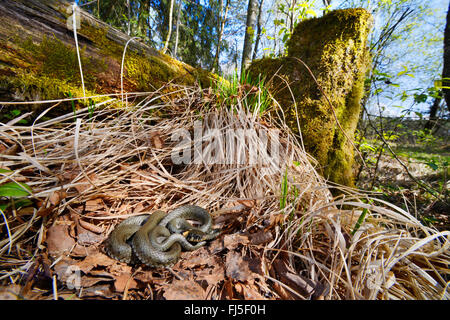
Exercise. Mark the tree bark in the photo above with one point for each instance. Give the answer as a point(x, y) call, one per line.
point(175, 50)
point(249, 33)
point(219, 40)
point(432, 120)
point(169, 32)
point(446, 70)
point(258, 29)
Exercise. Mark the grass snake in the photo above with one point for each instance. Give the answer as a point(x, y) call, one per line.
point(156, 240)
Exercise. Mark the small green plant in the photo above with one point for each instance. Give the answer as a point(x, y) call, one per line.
point(14, 193)
point(91, 108)
point(12, 114)
point(424, 137)
point(73, 106)
point(245, 90)
point(284, 191)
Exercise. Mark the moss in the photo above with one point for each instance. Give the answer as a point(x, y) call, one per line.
point(98, 35)
point(334, 48)
point(56, 60)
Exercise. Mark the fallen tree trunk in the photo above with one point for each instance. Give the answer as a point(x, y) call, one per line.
point(38, 59)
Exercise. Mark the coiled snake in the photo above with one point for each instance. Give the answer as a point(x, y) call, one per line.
point(156, 239)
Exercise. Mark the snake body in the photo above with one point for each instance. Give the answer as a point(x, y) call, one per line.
point(176, 222)
point(156, 239)
point(117, 245)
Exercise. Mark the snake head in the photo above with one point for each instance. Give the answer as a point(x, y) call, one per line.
point(194, 235)
point(198, 236)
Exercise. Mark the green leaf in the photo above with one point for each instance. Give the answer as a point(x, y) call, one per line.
point(405, 70)
point(360, 221)
point(311, 12)
point(12, 189)
point(432, 165)
point(284, 190)
point(420, 98)
point(15, 112)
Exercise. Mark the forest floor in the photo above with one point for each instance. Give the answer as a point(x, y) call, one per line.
point(428, 164)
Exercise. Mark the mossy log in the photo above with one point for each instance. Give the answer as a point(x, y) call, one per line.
point(38, 60)
point(334, 47)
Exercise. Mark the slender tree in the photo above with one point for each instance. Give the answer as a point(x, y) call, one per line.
point(175, 50)
point(222, 21)
point(249, 34)
point(169, 32)
point(434, 108)
point(446, 69)
point(258, 29)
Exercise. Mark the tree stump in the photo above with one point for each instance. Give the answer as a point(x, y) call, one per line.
point(334, 49)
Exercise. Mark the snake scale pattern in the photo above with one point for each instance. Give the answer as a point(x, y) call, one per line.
point(156, 240)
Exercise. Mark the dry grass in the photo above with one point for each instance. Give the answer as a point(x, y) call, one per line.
point(124, 158)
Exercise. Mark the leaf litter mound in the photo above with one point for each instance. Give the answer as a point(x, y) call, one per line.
point(284, 236)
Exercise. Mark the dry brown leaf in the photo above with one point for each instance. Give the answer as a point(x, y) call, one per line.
point(248, 203)
point(199, 257)
point(11, 292)
point(58, 240)
point(155, 140)
point(231, 241)
point(184, 290)
point(83, 251)
point(94, 205)
point(216, 246)
point(276, 219)
point(248, 291)
point(139, 207)
point(102, 290)
point(118, 268)
point(144, 276)
point(88, 281)
point(211, 275)
point(123, 281)
point(236, 267)
point(85, 184)
point(261, 237)
point(91, 227)
point(228, 292)
point(98, 259)
point(27, 211)
point(43, 212)
point(56, 197)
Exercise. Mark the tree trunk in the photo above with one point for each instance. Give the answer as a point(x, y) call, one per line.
point(219, 40)
point(129, 18)
point(432, 120)
point(249, 33)
point(169, 32)
point(446, 70)
point(291, 16)
point(175, 50)
point(258, 30)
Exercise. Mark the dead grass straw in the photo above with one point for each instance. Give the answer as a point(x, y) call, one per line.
point(125, 158)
